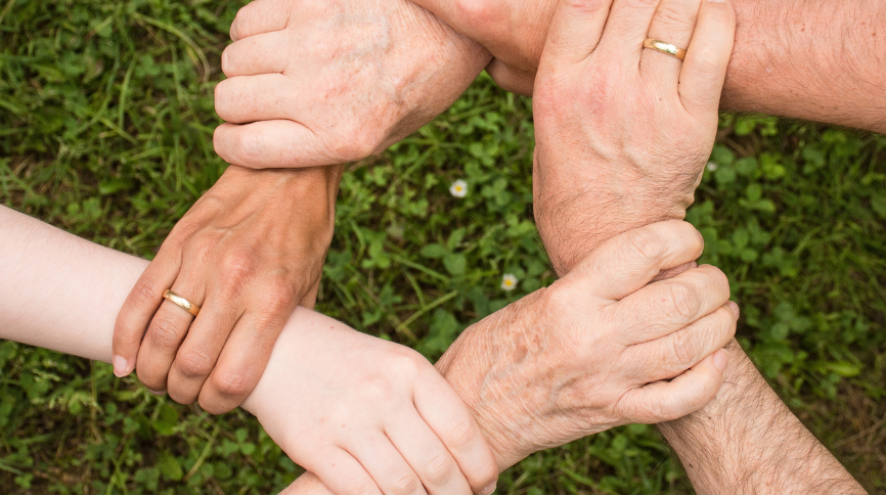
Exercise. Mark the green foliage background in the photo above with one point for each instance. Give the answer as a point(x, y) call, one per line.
point(106, 120)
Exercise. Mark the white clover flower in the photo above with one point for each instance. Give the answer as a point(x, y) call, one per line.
point(509, 282)
point(459, 189)
point(712, 166)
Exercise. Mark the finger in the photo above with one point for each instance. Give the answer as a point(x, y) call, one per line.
point(704, 70)
point(272, 144)
point(671, 304)
point(255, 98)
point(140, 306)
point(420, 446)
point(667, 401)
point(260, 54)
point(166, 333)
point(627, 262)
point(671, 355)
point(261, 16)
point(242, 361)
point(626, 29)
point(575, 30)
point(448, 417)
point(341, 473)
point(201, 348)
point(386, 464)
point(674, 23)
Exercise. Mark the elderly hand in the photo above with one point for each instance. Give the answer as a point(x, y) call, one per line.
point(599, 348)
point(248, 252)
point(319, 82)
point(623, 133)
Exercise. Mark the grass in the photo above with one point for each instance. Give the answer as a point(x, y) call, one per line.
point(106, 118)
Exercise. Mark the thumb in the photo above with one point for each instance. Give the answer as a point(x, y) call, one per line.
point(575, 30)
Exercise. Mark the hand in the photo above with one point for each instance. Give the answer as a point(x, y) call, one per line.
point(319, 82)
point(248, 252)
point(596, 349)
point(368, 416)
point(514, 31)
point(623, 133)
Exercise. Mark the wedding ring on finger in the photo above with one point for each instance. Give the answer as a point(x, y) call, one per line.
point(665, 47)
point(181, 302)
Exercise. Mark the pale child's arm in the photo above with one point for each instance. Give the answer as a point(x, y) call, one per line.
point(331, 397)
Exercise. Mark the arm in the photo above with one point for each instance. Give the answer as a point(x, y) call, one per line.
point(248, 252)
point(345, 405)
point(815, 60)
point(572, 343)
point(745, 440)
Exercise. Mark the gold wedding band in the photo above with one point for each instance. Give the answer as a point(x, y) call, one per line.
point(181, 302)
point(664, 47)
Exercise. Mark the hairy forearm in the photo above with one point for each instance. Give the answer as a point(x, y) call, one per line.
point(746, 441)
point(815, 60)
point(818, 60)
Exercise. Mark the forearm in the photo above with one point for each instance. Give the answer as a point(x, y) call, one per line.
point(746, 441)
point(815, 60)
point(63, 293)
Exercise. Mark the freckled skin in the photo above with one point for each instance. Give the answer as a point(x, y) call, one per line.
point(355, 71)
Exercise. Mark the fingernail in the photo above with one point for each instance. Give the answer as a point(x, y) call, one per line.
point(488, 490)
point(158, 393)
point(720, 359)
point(121, 366)
point(734, 308)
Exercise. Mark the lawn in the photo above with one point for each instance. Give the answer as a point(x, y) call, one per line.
point(106, 120)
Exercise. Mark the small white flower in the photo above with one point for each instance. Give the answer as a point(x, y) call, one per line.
point(459, 189)
point(509, 282)
point(712, 166)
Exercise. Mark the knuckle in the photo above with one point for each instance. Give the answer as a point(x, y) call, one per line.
point(683, 352)
point(377, 388)
point(440, 468)
point(359, 486)
point(460, 434)
point(232, 382)
point(200, 247)
point(280, 297)
point(144, 294)
point(707, 60)
point(238, 265)
point(404, 483)
point(671, 13)
point(681, 302)
point(164, 332)
point(194, 364)
point(646, 245)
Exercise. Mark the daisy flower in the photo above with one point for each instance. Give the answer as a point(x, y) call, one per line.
point(509, 282)
point(459, 189)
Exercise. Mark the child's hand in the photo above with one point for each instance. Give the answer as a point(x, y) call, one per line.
point(368, 416)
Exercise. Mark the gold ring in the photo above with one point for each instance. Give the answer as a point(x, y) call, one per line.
point(664, 47)
point(181, 302)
